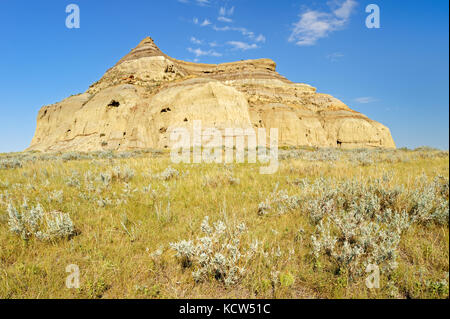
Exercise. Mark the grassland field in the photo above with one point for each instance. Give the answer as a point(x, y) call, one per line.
point(139, 226)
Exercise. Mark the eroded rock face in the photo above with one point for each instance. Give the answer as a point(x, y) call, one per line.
point(147, 93)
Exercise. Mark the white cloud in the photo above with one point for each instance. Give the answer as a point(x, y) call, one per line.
point(245, 32)
point(202, 2)
point(238, 45)
point(253, 39)
point(260, 38)
point(198, 2)
point(196, 41)
point(314, 25)
point(216, 28)
point(205, 23)
point(345, 10)
point(199, 52)
point(335, 56)
point(224, 19)
point(365, 100)
point(226, 12)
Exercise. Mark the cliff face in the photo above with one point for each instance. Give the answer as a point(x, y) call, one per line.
point(146, 93)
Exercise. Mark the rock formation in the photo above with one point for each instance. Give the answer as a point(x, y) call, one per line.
point(146, 93)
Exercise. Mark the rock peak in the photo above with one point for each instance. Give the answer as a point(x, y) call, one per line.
point(145, 48)
point(145, 40)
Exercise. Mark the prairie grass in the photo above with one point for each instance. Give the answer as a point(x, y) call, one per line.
point(144, 227)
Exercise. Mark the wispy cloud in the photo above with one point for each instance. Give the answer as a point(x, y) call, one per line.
point(252, 40)
point(345, 9)
point(224, 14)
point(205, 23)
point(224, 19)
point(238, 45)
point(197, 2)
point(196, 41)
point(244, 31)
point(314, 25)
point(260, 38)
point(333, 57)
point(202, 2)
point(365, 100)
point(199, 52)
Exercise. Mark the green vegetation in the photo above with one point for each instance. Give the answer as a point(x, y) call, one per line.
point(139, 226)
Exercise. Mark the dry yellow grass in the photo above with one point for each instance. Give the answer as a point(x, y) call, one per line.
point(114, 244)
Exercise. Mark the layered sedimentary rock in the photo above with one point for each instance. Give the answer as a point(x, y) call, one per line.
point(147, 93)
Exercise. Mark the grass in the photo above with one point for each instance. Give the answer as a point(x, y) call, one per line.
point(126, 223)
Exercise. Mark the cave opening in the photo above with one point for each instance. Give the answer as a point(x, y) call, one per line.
point(114, 103)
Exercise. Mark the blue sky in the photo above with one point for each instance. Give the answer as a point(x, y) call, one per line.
point(397, 75)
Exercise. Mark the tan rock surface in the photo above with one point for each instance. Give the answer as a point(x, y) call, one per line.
point(136, 103)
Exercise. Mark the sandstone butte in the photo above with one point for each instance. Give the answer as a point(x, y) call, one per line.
point(137, 102)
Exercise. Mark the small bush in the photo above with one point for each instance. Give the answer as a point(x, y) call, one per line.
point(218, 254)
point(124, 174)
point(168, 174)
point(280, 202)
point(35, 222)
point(10, 163)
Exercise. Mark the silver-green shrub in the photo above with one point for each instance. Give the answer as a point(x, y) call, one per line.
point(279, 202)
point(33, 221)
point(167, 174)
point(217, 254)
point(358, 223)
